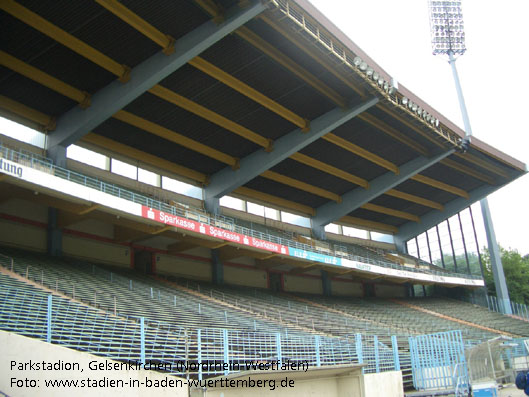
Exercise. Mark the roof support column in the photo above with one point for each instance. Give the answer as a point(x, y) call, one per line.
point(495, 260)
point(228, 179)
point(354, 199)
point(77, 122)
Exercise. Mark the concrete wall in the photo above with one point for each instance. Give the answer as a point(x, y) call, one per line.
point(346, 288)
point(25, 209)
point(95, 227)
point(315, 386)
point(21, 235)
point(183, 267)
point(23, 350)
point(245, 276)
point(383, 384)
point(302, 284)
point(390, 291)
point(118, 255)
point(316, 382)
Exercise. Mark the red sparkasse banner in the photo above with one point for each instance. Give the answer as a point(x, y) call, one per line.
point(208, 230)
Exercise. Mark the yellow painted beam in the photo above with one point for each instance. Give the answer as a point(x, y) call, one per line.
point(37, 22)
point(351, 147)
point(175, 137)
point(211, 116)
point(180, 246)
point(290, 65)
point(483, 164)
point(89, 209)
point(440, 185)
point(161, 230)
point(273, 200)
point(45, 79)
point(225, 78)
point(467, 170)
point(213, 9)
point(311, 162)
point(138, 23)
point(146, 158)
point(390, 211)
point(410, 125)
point(415, 199)
point(364, 223)
point(274, 176)
point(123, 234)
point(311, 53)
point(44, 120)
point(392, 132)
point(307, 268)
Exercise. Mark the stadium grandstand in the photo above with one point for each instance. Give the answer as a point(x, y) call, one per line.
point(236, 181)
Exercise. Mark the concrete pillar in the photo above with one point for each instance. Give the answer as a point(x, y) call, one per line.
point(212, 206)
point(217, 268)
point(326, 283)
point(318, 232)
point(58, 155)
point(54, 236)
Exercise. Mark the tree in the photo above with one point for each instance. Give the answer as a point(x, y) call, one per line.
point(516, 269)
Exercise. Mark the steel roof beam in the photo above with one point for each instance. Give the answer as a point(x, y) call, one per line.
point(227, 180)
point(77, 122)
point(356, 198)
point(432, 218)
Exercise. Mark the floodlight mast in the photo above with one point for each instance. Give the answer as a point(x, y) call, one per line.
point(448, 38)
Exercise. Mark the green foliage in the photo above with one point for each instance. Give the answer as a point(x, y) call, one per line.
point(473, 261)
point(516, 269)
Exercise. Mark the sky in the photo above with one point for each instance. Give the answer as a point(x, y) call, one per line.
point(396, 35)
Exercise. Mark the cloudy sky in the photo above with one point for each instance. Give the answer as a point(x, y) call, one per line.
point(396, 34)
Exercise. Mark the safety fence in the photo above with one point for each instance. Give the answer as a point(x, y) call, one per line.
point(492, 303)
point(438, 362)
point(187, 352)
point(351, 252)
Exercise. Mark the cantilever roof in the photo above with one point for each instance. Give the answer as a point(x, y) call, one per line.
point(241, 95)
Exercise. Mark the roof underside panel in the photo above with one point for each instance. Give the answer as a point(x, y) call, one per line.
point(49, 56)
point(342, 159)
point(141, 140)
point(400, 205)
point(285, 46)
point(443, 173)
point(375, 141)
point(405, 129)
point(34, 95)
point(286, 192)
point(266, 76)
point(313, 176)
point(98, 28)
point(378, 217)
point(161, 112)
point(208, 92)
point(425, 191)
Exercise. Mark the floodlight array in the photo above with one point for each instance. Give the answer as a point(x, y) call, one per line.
point(374, 75)
point(446, 27)
point(420, 112)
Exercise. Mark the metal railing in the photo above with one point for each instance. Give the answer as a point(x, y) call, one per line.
point(73, 325)
point(492, 303)
point(186, 211)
